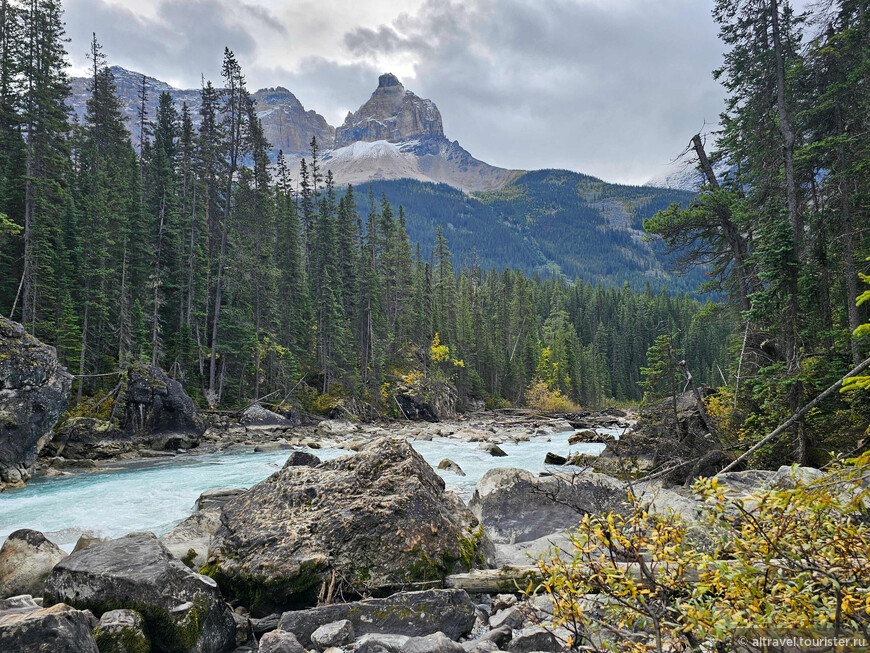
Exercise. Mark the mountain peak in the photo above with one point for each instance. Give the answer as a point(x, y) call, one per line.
point(391, 114)
point(388, 79)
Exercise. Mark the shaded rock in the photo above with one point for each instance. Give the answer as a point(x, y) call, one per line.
point(589, 436)
point(265, 624)
point(434, 643)
point(89, 439)
point(57, 629)
point(121, 631)
point(268, 447)
point(378, 643)
point(23, 604)
point(492, 449)
point(510, 617)
point(34, 392)
point(337, 633)
point(529, 640)
point(788, 478)
point(379, 519)
point(514, 506)
point(498, 637)
point(85, 541)
point(258, 417)
point(524, 553)
point(336, 426)
point(450, 466)
point(554, 459)
point(216, 499)
point(157, 410)
point(182, 609)
point(280, 641)
point(302, 459)
point(662, 438)
point(414, 614)
point(26, 560)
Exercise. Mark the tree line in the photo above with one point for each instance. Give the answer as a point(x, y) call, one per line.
point(247, 280)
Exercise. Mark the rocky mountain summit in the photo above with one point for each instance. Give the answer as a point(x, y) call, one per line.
point(394, 135)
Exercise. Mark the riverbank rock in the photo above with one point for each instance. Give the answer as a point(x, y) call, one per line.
point(448, 465)
point(182, 610)
point(26, 560)
point(157, 410)
point(279, 641)
point(34, 392)
point(378, 519)
point(57, 629)
point(257, 417)
point(664, 438)
point(86, 438)
point(514, 506)
point(427, 399)
point(412, 614)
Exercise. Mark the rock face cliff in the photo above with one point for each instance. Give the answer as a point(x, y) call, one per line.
point(34, 392)
point(391, 114)
point(286, 123)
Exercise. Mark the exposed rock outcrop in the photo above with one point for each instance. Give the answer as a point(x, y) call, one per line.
point(286, 123)
point(183, 610)
point(26, 560)
point(378, 519)
point(391, 114)
point(34, 392)
point(157, 409)
point(88, 438)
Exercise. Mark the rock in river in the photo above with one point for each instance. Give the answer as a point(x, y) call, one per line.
point(182, 610)
point(58, 629)
point(34, 392)
point(379, 519)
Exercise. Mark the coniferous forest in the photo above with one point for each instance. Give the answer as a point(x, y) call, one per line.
point(246, 279)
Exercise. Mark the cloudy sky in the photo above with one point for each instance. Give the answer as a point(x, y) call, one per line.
point(613, 88)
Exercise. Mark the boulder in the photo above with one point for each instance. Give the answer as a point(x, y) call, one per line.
point(280, 641)
point(533, 639)
point(514, 506)
point(664, 438)
point(86, 438)
point(26, 560)
point(492, 449)
point(216, 498)
point(189, 540)
point(377, 643)
point(86, 540)
point(554, 459)
point(34, 392)
point(413, 614)
point(302, 459)
point(336, 426)
point(589, 436)
point(511, 617)
point(378, 520)
point(157, 410)
point(121, 631)
point(57, 629)
point(435, 643)
point(258, 417)
point(449, 466)
point(337, 633)
point(427, 400)
point(182, 610)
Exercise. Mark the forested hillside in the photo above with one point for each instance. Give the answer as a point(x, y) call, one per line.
point(246, 282)
point(548, 221)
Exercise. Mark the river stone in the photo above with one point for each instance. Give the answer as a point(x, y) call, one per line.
point(514, 506)
point(216, 498)
point(554, 459)
point(508, 617)
point(450, 466)
point(337, 633)
point(182, 609)
point(414, 614)
point(34, 392)
point(280, 641)
point(377, 643)
point(302, 459)
point(492, 449)
point(533, 639)
point(121, 631)
point(57, 629)
point(157, 410)
point(26, 560)
point(378, 519)
point(435, 643)
point(189, 540)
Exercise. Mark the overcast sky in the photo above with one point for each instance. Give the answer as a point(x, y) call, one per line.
point(612, 88)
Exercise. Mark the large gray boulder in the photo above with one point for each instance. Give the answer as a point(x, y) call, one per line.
point(515, 506)
point(88, 438)
point(414, 614)
point(34, 392)
point(157, 410)
point(183, 610)
point(121, 631)
point(377, 520)
point(26, 560)
point(57, 629)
